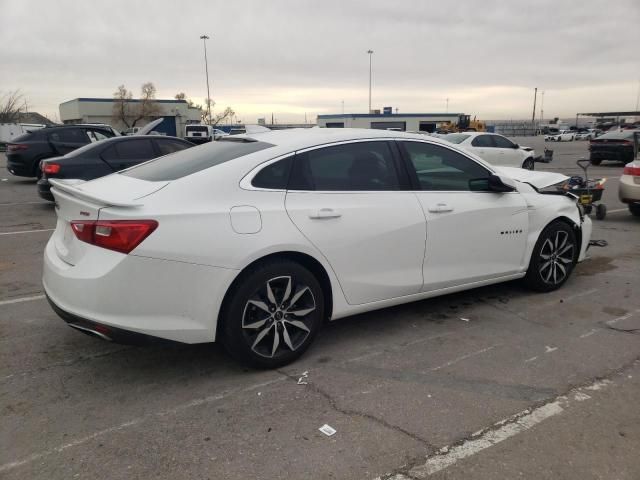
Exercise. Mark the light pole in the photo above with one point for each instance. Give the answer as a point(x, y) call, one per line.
point(204, 39)
point(370, 52)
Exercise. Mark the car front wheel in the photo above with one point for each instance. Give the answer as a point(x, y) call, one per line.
point(528, 164)
point(273, 314)
point(553, 258)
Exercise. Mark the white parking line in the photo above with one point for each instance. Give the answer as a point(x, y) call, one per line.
point(463, 357)
point(507, 428)
point(23, 203)
point(618, 210)
point(28, 231)
point(22, 299)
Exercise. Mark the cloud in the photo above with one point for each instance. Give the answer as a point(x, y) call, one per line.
point(300, 56)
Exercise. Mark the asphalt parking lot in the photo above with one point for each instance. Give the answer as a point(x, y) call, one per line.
point(496, 382)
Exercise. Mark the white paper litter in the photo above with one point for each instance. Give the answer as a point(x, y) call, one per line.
point(464, 319)
point(328, 430)
point(302, 379)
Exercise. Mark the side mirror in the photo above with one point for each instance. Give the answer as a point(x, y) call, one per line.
point(498, 183)
point(515, 145)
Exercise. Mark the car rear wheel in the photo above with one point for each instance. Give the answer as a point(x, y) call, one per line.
point(634, 208)
point(528, 164)
point(273, 314)
point(553, 258)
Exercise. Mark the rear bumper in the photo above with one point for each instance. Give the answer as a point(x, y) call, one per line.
point(19, 168)
point(621, 155)
point(171, 300)
point(44, 189)
point(629, 190)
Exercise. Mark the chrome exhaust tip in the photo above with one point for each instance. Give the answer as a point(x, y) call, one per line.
point(90, 331)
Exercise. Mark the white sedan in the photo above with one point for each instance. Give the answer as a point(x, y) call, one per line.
point(560, 137)
point(494, 148)
point(255, 240)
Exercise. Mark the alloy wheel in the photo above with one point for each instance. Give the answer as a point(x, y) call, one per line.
point(277, 318)
point(556, 256)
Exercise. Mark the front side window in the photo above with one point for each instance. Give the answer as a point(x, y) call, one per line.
point(502, 142)
point(482, 141)
point(97, 135)
point(442, 169)
point(354, 166)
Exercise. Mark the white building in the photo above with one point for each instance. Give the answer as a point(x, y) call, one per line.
point(176, 113)
point(412, 122)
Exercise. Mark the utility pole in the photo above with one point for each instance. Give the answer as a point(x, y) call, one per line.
point(342, 107)
point(533, 116)
point(447, 108)
point(204, 39)
point(370, 52)
point(542, 108)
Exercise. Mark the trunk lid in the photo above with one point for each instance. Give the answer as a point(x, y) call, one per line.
point(83, 202)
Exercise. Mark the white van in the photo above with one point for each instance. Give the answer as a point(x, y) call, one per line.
point(202, 133)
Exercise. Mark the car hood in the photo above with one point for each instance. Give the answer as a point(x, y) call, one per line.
point(536, 179)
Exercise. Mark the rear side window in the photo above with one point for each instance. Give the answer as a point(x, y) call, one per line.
point(135, 149)
point(354, 166)
point(169, 146)
point(69, 135)
point(274, 176)
point(194, 160)
point(481, 141)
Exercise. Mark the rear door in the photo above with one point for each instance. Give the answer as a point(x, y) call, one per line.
point(128, 152)
point(483, 146)
point(67, 140)
point(351, 201)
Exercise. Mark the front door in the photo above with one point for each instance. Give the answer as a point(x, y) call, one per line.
point(472, 234)
point(351, 201)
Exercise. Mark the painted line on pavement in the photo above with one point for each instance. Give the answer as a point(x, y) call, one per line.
point(28, 231)
point(24, 203)
point(463, 357)
point(22, 299)
point(503, 430)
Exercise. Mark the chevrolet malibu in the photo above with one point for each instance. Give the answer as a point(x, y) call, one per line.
point(255, 240)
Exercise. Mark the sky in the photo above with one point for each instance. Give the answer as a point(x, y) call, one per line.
point(297, 58)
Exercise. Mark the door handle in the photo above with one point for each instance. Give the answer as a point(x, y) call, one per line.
point(325, 213)
point(441, 207)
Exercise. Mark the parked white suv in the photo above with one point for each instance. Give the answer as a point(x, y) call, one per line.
point(203, 133)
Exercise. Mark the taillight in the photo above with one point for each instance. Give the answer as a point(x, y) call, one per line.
point(634, 171)
point(119, 235)
point(14, 147)
point(50, 168)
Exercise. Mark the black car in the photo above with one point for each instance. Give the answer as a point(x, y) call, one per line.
point(616, 146)
point(25, 152)
point(105, 157)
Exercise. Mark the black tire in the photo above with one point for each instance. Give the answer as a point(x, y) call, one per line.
point(595, 161)
point(252, 311)
point(529, 164)
point(634, 208)
point(553, 257)
point(601, 211)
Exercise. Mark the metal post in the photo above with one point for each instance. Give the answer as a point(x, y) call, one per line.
point(533, 116)
point(542, 108)
point(447, 108)
point(204, 39)
point(370, 52)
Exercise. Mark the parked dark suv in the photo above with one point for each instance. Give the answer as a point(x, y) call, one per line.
point(106, 157)
point(616, 146)
point(25, 152)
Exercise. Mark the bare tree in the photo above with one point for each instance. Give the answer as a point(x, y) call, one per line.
point(220, 117)
point(10, 105)
point(181, 96)
point(129, 112)
point(122, 105)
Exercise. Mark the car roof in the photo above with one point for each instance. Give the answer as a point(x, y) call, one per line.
point(300, 138)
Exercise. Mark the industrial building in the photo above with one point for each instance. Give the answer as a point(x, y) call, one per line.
point(176, 114)
point(412, 122)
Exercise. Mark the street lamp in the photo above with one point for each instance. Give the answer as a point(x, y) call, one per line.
point(370, 52)
point(204, 39)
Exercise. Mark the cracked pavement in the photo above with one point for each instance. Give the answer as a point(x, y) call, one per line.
point(398, 384)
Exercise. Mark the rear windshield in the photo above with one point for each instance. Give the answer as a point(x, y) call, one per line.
point(24, 137)
point(192, 160)
point(196, 128)
point(627, 134)
point(456, 137)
